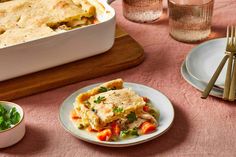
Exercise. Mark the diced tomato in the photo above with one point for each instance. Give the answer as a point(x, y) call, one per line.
point(74, 115)
point(104, 135)
point(146, 108)
point(95, 21)
point(145, 99)
point(148, 127)
point(115, 129)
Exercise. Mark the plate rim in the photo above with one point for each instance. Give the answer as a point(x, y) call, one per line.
point(192, 84)
point(187, 60)
point(104, 143)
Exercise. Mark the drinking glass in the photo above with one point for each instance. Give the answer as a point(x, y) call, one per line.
point(142, 10)
point(190, 20)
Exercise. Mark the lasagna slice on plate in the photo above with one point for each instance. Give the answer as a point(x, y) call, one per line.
point(114, 112)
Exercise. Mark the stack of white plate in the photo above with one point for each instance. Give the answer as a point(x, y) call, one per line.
point(201, 63)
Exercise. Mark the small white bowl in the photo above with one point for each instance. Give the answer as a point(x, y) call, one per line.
point(14, 134)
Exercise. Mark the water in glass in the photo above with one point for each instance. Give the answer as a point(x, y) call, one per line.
point(190, 20)
point(142, 10)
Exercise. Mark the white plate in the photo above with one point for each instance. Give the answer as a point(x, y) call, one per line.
point(198, 84)
point(159, 101)
point(203, 60)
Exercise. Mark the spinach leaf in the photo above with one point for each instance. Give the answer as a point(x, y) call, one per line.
point(14, 116)
point(131, 117)
point(1, 120)
point(7, 119)
point(3, 111)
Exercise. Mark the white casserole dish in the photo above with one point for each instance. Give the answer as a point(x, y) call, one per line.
point(40, 54)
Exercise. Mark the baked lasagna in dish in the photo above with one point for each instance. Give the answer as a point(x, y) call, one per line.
point(114, 112)
point(25, 20)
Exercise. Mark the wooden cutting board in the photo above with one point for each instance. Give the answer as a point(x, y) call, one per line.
point(125, 53)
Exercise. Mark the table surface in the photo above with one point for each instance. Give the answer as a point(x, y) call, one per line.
point(201, 127)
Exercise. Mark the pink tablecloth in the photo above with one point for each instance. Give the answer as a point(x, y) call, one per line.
point(201, 127)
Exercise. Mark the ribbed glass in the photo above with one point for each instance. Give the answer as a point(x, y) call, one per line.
point(190, 20)
point(142, 10)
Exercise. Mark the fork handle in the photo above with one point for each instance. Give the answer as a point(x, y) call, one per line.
point(214, 78)
point(228, 78)
point(233, 83)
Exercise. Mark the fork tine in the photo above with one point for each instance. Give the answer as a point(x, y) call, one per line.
point(232, 36)
point(234, 41)
point(227, 34)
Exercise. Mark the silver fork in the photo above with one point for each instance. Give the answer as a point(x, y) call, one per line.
point(229, 54)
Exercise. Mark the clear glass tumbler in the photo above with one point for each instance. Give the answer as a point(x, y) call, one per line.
point(142, 10)
point(190, 20)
